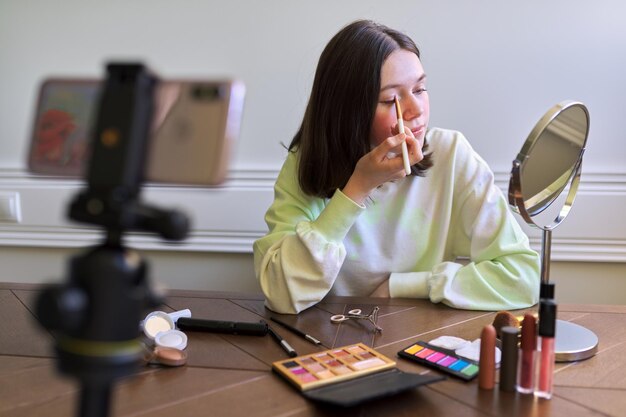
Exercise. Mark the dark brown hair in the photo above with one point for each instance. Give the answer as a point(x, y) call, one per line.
point(335, 130)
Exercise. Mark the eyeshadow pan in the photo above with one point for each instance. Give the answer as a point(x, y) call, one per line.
point(470, 370)
point(447, 361)
point(341, 370)
point(325, 374)
point(424, 352)
point(315, 367)
point(324, 357)
point(368, 363)
point(290, 364)
point(356, 349)
point(307, 377)
point(306, 361)
point(458, 365)
point(339, 353)
point(299, 370)
point(413, 349)
point(435, 357)
point(349, 359)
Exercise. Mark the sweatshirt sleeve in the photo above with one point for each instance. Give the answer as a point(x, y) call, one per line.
point(299, 259)
point(503, 271)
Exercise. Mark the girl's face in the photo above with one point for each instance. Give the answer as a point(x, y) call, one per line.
point(402, 76)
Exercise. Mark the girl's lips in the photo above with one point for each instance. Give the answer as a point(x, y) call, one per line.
point(417, 130)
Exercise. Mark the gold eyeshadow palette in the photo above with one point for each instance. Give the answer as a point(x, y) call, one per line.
point(348, 375)
point(441, 359)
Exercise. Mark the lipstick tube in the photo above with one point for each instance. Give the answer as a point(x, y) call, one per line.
point(528, 355)
point(487, 365)
point(547, 330)
point(508, 367)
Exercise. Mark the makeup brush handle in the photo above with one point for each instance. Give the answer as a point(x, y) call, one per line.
point(405, 158)
point(215, 326)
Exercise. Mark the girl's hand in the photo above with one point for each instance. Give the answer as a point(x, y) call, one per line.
point(380, 166)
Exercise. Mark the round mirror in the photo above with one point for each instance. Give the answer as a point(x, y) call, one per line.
point(550, 161)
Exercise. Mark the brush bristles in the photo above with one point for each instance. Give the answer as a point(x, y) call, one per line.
point(398, 109)
point(502, 319)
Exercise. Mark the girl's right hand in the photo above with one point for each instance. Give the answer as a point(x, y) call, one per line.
point(377, 167)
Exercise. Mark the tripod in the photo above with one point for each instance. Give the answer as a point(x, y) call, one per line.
point(94, 316)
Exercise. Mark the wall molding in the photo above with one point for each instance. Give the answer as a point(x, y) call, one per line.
point(597, 235)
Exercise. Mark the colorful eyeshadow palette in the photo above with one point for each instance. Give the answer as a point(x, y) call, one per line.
point(348, 375)
point(441, 359)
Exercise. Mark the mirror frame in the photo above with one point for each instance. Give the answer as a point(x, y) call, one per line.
point(516, 198)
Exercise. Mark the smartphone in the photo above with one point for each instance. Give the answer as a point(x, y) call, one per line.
point(195, 125)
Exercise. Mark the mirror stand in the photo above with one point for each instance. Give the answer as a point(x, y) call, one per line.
point(549, 162)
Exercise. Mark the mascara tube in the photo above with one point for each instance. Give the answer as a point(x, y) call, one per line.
point(216, 326)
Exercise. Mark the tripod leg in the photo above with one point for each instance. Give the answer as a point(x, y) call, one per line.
point(94, 399)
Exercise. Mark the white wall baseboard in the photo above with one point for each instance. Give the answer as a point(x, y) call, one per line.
point(230, 217)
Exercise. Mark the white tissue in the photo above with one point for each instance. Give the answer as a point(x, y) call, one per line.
point(462, 347)
point(472, 351)
point(449, 342)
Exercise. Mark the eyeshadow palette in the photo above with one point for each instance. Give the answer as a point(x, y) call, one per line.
point(348, 375)
point(334, 365)
point(441, 359)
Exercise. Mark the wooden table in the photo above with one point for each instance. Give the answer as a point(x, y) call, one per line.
point(229, 375)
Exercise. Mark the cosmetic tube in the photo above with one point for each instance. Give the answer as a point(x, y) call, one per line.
point(508, 368)
point(547, 327)
point(487, 365)
point(528, 355)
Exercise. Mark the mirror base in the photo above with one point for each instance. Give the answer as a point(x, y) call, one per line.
point(574, 342)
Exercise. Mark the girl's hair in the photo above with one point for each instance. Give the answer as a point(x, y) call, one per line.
point(335, 130)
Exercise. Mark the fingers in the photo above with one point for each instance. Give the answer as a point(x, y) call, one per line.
point(392, 143)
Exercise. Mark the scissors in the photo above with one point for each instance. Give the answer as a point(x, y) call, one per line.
point(357, 314)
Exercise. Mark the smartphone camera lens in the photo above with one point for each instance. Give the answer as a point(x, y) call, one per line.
point(206, 92)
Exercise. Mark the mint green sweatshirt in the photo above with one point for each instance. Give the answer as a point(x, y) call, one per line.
point(410, 232)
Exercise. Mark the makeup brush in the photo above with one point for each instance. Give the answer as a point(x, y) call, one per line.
point(503, 319)
point(405, 151)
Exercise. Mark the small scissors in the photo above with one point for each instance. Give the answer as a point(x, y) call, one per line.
point(356, 314)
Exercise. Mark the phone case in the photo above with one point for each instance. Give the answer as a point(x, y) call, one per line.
point(195, 124)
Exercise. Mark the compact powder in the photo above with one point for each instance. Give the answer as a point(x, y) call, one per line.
point(171, 338)
point(170, 356)
point(156, 324)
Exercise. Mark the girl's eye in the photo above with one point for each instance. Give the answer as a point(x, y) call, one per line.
point(419, 91)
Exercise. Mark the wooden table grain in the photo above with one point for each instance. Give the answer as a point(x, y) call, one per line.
point(229, 375)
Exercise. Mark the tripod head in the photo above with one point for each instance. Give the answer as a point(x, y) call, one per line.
point(95, 315)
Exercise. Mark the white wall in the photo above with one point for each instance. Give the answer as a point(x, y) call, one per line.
point(494, 67)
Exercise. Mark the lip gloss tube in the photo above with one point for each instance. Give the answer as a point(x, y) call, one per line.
point(487, 364)
point(547, 327)
point(528, 355)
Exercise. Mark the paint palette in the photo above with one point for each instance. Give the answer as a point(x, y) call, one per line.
point(441, 359)
point(348, 375)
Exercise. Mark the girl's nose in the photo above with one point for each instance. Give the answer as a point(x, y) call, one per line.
point(412, 106)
